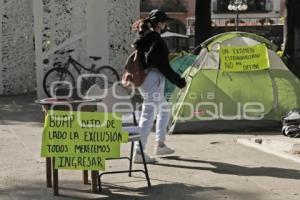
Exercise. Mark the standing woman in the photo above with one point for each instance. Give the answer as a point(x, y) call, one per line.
point(154, 57)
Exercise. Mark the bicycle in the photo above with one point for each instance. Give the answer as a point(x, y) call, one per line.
point(61, 74)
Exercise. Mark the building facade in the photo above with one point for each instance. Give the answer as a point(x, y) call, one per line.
point(90, 27)
point(264, 17)
point(17, 58)
point(180, 10)
point(34, 30)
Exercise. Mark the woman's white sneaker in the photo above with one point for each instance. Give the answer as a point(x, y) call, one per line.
point(138, 159)
point(163, 150)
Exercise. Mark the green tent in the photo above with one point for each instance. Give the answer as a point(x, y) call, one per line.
point(180, 62)
point(216, 99)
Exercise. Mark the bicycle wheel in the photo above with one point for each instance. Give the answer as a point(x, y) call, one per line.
point(57, 74)
point(110, 73)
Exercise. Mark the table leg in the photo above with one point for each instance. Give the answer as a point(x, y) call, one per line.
point(55, 178)
point(48, 173)
point(95, 175)
point(85, 177)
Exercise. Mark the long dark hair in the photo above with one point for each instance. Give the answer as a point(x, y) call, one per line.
point(142, 26)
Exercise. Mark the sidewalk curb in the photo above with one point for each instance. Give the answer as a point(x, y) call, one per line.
point(248, 143)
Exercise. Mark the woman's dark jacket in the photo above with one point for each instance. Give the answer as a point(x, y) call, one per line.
point(155, 54)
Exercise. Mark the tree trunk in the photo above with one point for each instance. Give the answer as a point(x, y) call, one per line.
point(202, 22)
point(292, 44)
point(297, 37)
point(290, 32)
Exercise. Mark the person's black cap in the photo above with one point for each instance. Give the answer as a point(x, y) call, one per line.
point(158, 16)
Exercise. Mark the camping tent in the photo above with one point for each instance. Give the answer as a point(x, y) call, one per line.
point(179, 62)
point(172, 34)
point(175, 41)
point(216, 99)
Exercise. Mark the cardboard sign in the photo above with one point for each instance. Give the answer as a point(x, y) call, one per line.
point(244, 58)
point(82, 140)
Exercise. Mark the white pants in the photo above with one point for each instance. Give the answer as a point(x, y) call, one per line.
point(154, 107)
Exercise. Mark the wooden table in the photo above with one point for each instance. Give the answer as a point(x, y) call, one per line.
point(66, 104)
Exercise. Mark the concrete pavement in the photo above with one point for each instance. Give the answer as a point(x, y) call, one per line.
point(206, 166)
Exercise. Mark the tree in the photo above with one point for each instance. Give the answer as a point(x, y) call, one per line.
point(292, 43)
point(202, 21)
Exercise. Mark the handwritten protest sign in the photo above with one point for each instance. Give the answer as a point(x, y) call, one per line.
point(82, 140)
point(244, 58)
